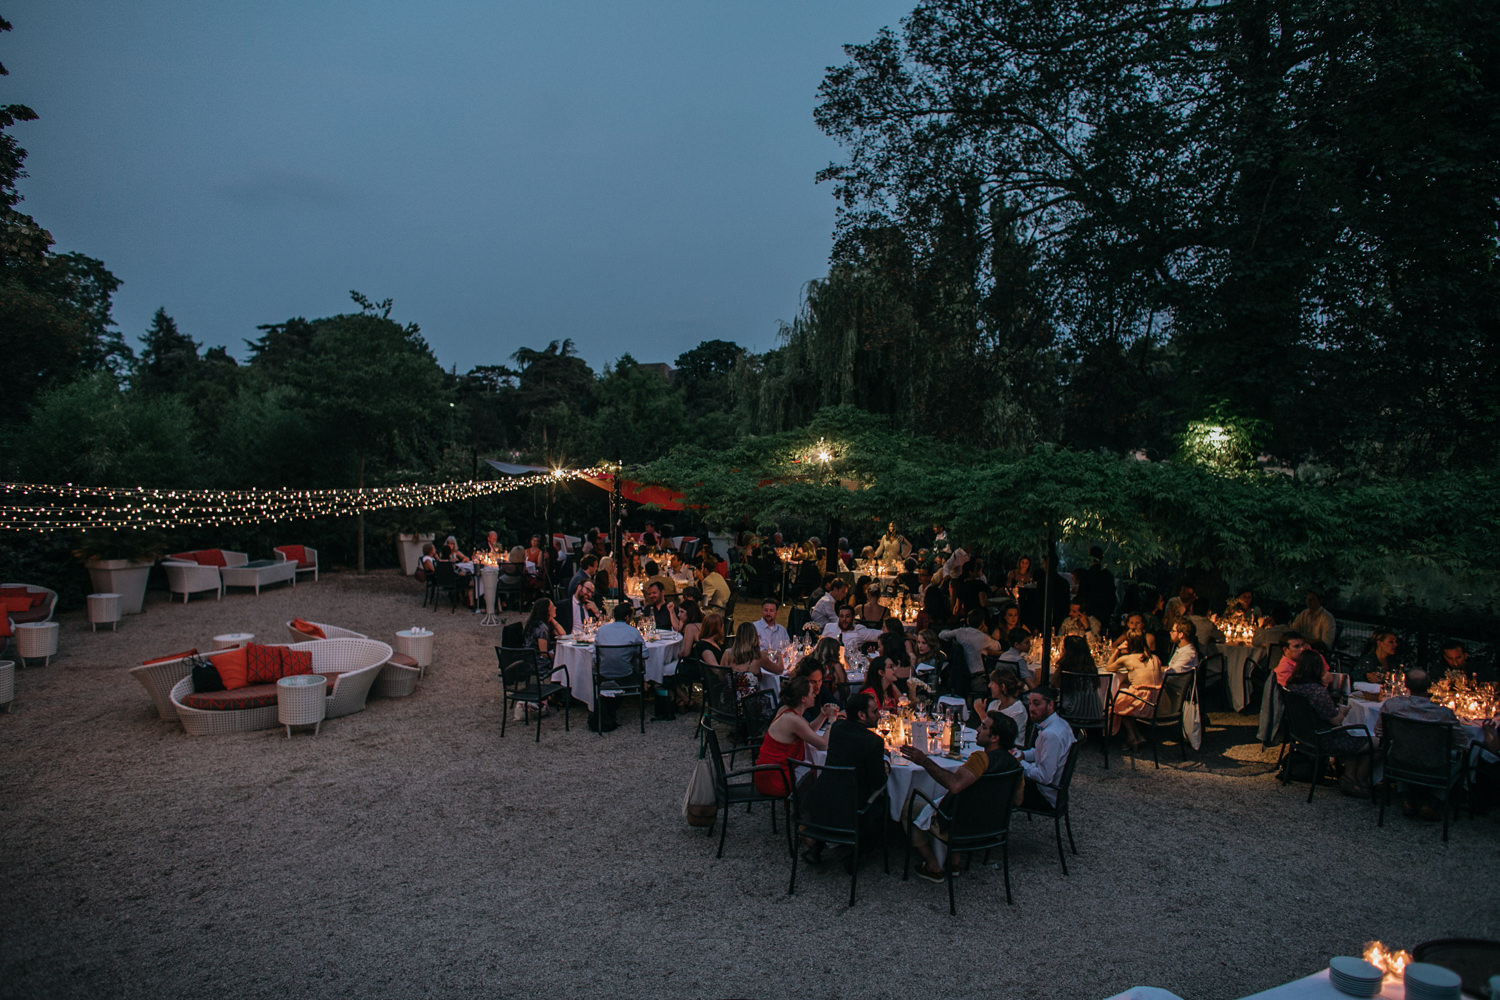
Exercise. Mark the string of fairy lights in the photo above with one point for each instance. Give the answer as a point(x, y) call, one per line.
point(44, 507)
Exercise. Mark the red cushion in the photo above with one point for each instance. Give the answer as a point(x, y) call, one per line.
point(16, 603)
point(5, 629)
point(14, 592)
point(296, 554)
point(191, 557)
point(307, 628)
point(259, 696)
point(262, 664)
point(331, 679)
point(167, 659)
point(295, 661)
point(233, 668)
point(39, 598)
point(402, 660)
point(211, 557)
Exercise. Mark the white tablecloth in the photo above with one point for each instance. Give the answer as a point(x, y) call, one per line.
point(903, 777)
point(1365, 713)
point(1318, 987)
point(1236, 663)
point(661, 661)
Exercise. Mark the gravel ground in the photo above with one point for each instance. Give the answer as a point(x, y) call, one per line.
point(409, 851)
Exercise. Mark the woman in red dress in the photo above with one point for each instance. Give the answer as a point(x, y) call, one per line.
point(789, 734)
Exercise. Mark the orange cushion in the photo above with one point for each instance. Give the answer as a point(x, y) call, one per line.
point(308, 628)
point(262, 664)
point(16, 603)
point(165, 659)
point(294, 553)
point(38, 599)
point(295, 661)
point(211, 557)
point(233, 668)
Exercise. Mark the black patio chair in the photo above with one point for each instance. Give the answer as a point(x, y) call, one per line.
point(977, 819)
point(1084, 703)
point(733, 786)
point(447, 580)
point(1167, 709)
point(720, 704)
point(527, 679)
point(1425, 754)
point(833, 811)
point(632, 683)
point(1308, 736)
point(1059, 812)
point(1213, 672)
point(756, 714)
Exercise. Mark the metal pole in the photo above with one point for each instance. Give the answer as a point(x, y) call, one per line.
point(1047, 601)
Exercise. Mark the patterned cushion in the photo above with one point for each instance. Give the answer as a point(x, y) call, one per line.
point(258, 696)
point(262, 664)
point(295, 661)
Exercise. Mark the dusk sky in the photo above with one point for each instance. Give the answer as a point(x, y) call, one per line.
point(636, 176)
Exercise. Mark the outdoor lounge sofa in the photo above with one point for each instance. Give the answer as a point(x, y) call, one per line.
point(195, 572)
point(351, 666)
point(397, 680)
point(39, 603)
point(304, 556)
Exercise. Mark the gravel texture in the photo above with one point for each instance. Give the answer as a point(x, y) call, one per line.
point(409, 851)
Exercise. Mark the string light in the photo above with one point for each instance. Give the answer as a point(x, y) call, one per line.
point(43, 507)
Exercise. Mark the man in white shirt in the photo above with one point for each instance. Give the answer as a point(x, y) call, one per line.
point(851, 635)
point(826, 611)
point(1079, 623)
point(1043, 763)
point(1315, 622)
point(976, 642)
point(1015, 654)
point(772, 635)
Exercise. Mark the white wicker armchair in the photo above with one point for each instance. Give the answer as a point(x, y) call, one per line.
point(189, 578)
point(352, 665)
point(305, 556)
point(159, 678)
point(329, 632)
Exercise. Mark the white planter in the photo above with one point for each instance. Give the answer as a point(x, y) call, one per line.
point(409, 548)
point(126, 577)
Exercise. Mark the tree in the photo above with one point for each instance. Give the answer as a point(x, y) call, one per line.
point(168, 361)
point(556, 385)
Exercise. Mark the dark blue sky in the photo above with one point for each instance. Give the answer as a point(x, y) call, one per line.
point(636, 176)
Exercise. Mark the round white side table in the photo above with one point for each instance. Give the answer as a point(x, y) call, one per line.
point(36, 640)
point(416, 643)
point(301, 701)
point(7, 683)
point(229, 640)
point(104, 609)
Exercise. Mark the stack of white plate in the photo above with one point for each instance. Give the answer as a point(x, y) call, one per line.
point(1425, 981)
point(1354, 976)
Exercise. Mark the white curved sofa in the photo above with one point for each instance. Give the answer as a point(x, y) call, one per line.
point(400, 675)
point(351, 665)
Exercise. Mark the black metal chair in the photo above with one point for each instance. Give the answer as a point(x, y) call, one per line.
point(1213, 672)
point(1059, 812)
point(1171, 698)
point(1307, 736)
point(720, 705)
point(510, 585)
point(1084, 703)
point(429, 587)
point(526, 678)
point(513, 635)
point(1425, 754)
point(757, 711)
point(833, 811)
point(796, 618)
point(446, 579)
point(733, 786)
point(976, 819)
point(632, 683)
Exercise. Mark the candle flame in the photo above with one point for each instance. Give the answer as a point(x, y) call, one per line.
point(1391, 961)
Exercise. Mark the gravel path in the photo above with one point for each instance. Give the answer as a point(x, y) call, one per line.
point(409, 851)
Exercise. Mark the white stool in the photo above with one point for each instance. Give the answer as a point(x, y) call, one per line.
point(416, 643)
point(36, 640)
point(104, 609)
point(301, 701)
point(229, 640)
point(7, 683)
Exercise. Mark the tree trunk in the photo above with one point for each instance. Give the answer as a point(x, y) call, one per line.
point(360, 542)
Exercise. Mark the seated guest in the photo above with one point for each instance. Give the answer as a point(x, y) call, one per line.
point(1043, 764)
point(937, 608)
point(668, 617)
point(1143, 680)
point(880, 681)
point(535, 557)
point(1310, 680)
point(583, 606)
point(748, 660)
point(1015, 654)
point(1241, 607)
point(679, 572)
point(492, 545)
point(1180, 606)
point(709, 646)
point(1185, 652)
point(585, 572)
point(1379, 659)
point(712, 583)
point(542, 628)
point(1135, 625)
point(829, 653)
point(1005, 698)
point(929, 655)
point(1455, 657)
point(614, 663)
point(692, 619)
point(908, 580)
point(789, 734)
point(773, 635)
point(996, 735)
point(977, 643)
point(822, 691)
point(655, 575)
point(1076, 657)
point(872, 612)
point(826, 611)
point(1316, 623)
point(428, 562)
point(1292, 646)
point(852, 636)
point(1271, 629)
point(1010, 620)
point(1078, 623)
point(851, 743)
point(1417, 704)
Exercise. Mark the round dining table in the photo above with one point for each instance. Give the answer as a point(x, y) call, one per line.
point(577, 654)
